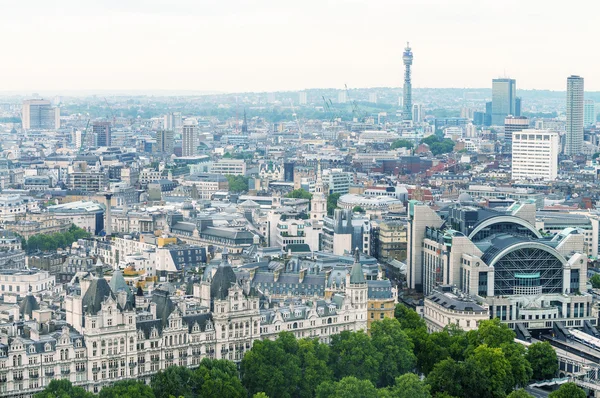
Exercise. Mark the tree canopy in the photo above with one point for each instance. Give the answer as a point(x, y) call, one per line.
point(402, 144)
point(237, 183)
point(52, 242)
point(332, 202)
point(595, 281)
point(299, 194)
point(543, 360)
point(568, 390)
point(63, 389)
point(437, 145)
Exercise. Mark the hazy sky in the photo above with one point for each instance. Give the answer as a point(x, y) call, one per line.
point(269, 45)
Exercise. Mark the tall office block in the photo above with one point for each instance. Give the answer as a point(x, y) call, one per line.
point(164, 142)
point(40, 114)
point(417, 113)
point(189, 144)
point(302, 98)
point(574, 135)
point(373, 98)
point(102, 132)
point(535, 155)
point(342, 97)
point(503, 100)
point(487, 121)
point(407, 58)
point(512, 124)
point(517, 106)
point(589, 113)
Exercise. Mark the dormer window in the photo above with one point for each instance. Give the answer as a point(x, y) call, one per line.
point(31, 349)
point(47, 347)
point(321, 310)
point(298, 313)
point(78, 343)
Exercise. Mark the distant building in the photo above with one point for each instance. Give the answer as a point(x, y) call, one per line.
point(373, 98)
point(342, 97)
point(189, 138)
point(417, 116)
point(513, 124)
point(535, 155)
point(574, 135)
point(503, 99)
point(517, 106)
point(164, 142)
point(40, 114)
point(102, 132)
point(589, 113)
point(302, 98)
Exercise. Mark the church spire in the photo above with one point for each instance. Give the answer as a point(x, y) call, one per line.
point(318, 204)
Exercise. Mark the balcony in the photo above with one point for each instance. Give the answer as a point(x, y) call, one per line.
point(82, 369)
point(34, 376)
point(65, 371)
point(95, 369)
point(113, 365)
point(132, 364)
point(18, 377)
point(49, 373)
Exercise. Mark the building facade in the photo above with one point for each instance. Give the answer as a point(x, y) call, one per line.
point(535, 155)
point(504, 94)
point(574, 135)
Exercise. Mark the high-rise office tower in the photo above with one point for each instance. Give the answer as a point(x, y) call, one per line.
point(535, 155)
point(589, 113)
point(102, 133)
point(517, 106)
point(189, 144)
point(487, 121)
point(245, 124)
point(169, 122)
point(373, 98)
point(40, 114)
point(503, 99)
point(417, 113)
point(342, 97)
point(407, 58)
point(164, 142)
point(574, 135)
point(302, 98)
point(512, 124)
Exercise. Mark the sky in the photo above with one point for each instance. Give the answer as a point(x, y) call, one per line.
point(278, 45)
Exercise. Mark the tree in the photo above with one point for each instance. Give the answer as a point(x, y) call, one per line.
point(313, 362)
point(446, 377)
point(358, 209)
point(568, 390)
point(127, 389)
point(299, 194)
point(218, 378)
point(353, 354)
point(438, 145)
point(595, 281)
point(519, 394)
point(402, 144)
point(260, 395)
point(495, 369)
point(543, 360)
point(493, 333)
point(396, 347)
point(347, 387)
point(272, 367)
point(521, 370)
point(237, 183)
point(332, 203)
point(63, 389)
point(407, 386)
point(174, 381)
point(408, 318)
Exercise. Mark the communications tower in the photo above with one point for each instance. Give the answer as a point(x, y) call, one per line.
point(407, 57)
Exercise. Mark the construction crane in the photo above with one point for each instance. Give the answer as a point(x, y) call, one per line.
point(295, 116)
point(114, 118)
point(329, 108)
point(357, 112)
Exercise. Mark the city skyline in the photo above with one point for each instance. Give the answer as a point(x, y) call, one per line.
point(310, 48)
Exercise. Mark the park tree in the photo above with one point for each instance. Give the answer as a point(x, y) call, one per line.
point(446, 377)
point(568, 390)
point(347, 387)
point(218, 378)
point(313, 357)
point(237, 183)
point(353, 354)
point(127, 389)
point(63, 389)
point(272, 367)
point(396, 348)
point(519, 394)
point(358, 209)
point(543, 360)
point(408, 385)
point(495, 369)
point(176, 381)
point(332, 202)
point(521, 370)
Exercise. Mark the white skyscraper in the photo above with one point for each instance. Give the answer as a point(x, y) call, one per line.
point(40, 114)
point(189, 143)
point(589, 113)
point(574, 135)
point(373, 98)
point(342, 97)
point(535, 155)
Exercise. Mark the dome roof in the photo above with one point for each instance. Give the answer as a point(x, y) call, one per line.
point(465, 198)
